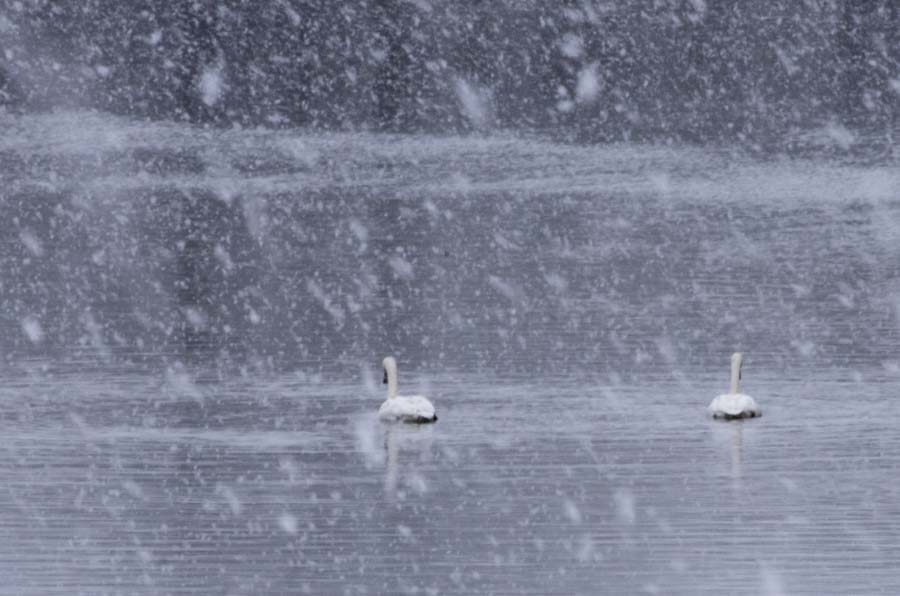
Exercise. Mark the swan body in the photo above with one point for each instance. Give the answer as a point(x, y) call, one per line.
point(408, 408)
point(414, 409)
point(734, 404)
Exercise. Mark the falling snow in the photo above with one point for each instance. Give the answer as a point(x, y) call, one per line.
point(561, 220)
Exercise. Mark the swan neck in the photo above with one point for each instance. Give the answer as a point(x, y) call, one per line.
point(735, 375)
point(392, 382)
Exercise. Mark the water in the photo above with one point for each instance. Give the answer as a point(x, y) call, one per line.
point(193, 321)
point(129, 485)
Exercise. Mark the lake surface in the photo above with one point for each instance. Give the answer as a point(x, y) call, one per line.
point(193, 322)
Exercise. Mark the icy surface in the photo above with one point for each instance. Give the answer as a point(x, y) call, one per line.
point(193, 321)
point(280, 247)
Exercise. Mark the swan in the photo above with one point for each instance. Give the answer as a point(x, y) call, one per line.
point(733, 404)
point(403, 408)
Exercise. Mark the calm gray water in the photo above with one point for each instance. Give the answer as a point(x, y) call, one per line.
point(193, 322)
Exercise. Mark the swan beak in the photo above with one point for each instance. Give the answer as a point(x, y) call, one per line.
point(384, 381)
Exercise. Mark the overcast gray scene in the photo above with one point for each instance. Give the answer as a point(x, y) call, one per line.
point(560, 218)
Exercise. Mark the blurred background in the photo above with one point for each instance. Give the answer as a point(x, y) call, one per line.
point(755, 70)
point(206, 178)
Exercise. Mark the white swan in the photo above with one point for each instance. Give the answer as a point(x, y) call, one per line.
point(403, 408)
point(733, 404)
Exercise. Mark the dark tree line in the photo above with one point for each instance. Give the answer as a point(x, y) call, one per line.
point(683, 69)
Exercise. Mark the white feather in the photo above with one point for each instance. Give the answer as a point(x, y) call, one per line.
point(734, 405)
point(407, 408)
